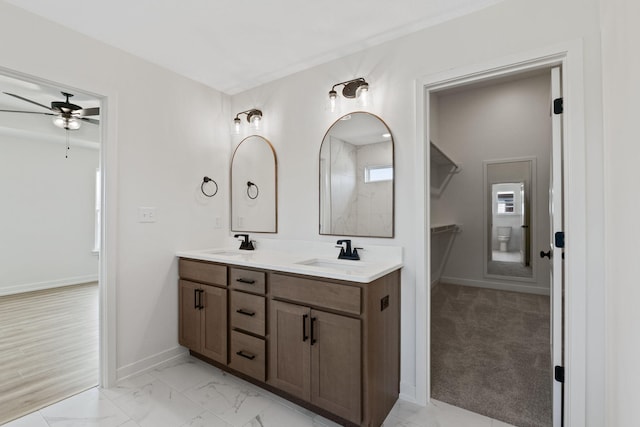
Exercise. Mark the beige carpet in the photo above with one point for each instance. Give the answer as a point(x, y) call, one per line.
point(48, 347)
point(490, 353)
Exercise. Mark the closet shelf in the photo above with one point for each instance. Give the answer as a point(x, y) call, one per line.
point(435, 229)
point(439, 158)
point(442, 168)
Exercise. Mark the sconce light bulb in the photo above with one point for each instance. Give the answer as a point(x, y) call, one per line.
point(363, 95)
point(236, 126)
point(333, 95)
point(255, 121)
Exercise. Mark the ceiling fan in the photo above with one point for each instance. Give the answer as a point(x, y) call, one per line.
point(65, 114)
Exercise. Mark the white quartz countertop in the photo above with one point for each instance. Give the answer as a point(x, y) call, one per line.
point(320, 264)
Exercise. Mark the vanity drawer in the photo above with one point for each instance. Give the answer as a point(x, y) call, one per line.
point(203, 272)
point(248, 355)
point(247, 280)
point(247, 312)
point(317, 293)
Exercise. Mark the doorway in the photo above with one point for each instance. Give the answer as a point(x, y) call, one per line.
point(51, 138)
point(490, 314)
point(569, 56)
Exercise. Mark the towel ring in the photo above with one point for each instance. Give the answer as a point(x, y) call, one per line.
point(249, 185)
point(204, 181)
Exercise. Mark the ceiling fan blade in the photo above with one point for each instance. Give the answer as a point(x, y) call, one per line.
point(27, 112)
point(28, 100)
point(92, 121)
point(95, 111)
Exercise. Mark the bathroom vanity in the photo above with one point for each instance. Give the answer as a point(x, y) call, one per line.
point(322, 333)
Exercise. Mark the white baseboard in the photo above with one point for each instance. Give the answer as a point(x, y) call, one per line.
point(38, 286)
point(408, 392)
point(502, 286)
point(151, 362)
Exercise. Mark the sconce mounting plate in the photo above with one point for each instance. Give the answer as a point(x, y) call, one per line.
point(349, 90)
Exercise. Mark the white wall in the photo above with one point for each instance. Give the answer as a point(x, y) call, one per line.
point(164, 133)
point(295, 123)
point(621, 68)
point(48, 212)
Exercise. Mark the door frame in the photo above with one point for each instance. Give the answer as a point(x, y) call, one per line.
point(569, 56)
point(108, 216)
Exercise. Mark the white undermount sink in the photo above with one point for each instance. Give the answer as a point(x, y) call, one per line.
point(343, 266)
point(224, 252)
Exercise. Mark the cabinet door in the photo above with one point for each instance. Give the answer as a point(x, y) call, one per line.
point(336, 364)
point(189, 314)
point(214, 323)
point(289, 348)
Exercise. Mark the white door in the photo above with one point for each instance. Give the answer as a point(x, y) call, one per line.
point(555, 253)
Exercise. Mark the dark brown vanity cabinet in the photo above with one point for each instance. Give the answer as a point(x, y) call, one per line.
point(336, 344)
point(203, 308)
point(330, 345)
point(315, 356)
point(247, 314)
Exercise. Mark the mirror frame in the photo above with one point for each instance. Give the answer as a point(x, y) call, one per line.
point(393, 184)
point(533, 219)
point(275, 172)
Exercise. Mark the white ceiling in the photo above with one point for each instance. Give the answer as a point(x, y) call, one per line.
point(232, 46)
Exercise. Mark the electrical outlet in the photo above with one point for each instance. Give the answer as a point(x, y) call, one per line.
point(147, 214)
point(218, 222)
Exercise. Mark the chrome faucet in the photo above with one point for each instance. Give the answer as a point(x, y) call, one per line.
point(346, 252)
point(245, 244)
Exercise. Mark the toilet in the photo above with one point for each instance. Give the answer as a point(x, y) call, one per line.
point(504, 234)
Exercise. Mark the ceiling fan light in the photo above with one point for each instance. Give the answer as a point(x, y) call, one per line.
point(66, 123)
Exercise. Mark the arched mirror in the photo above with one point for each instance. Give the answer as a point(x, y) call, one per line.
point(356, 178)
point(254, 194)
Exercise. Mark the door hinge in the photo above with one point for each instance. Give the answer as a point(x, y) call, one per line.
point(559, 239)
point(559, 374)
point(558, 106)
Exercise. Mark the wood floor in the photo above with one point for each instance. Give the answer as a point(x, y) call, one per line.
point(48, 347)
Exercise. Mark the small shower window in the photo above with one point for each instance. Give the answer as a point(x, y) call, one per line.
point(506, 202)
point(378, 173)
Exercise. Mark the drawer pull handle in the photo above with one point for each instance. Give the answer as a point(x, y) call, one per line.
point(249, 356)
point(247, 281)
point(313, 333)
point(245, 312)
point(304, 327)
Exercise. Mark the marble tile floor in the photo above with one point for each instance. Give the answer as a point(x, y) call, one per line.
point(190, 393)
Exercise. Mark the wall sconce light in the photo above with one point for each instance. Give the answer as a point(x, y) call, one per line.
point(254, 117)
point(356, 88)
